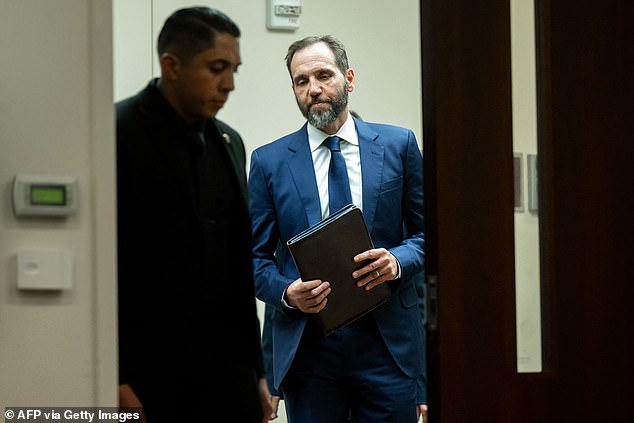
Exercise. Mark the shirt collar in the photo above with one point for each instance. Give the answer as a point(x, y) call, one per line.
point(347, 132)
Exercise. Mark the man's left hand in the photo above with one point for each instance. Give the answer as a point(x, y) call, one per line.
point(381, 267)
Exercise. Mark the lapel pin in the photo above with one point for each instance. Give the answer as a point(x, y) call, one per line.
point(226, 138)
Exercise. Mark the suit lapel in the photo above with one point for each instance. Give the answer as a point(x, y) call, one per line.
point(304, 175)
point(231, 146)
point(371, 150)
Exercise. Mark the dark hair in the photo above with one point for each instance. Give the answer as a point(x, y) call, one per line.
point(190, 31)
point(336, 46)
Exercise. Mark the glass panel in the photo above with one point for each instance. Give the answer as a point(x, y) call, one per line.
point(527, 266)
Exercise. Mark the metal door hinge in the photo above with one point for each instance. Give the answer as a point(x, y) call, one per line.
point(431, 300)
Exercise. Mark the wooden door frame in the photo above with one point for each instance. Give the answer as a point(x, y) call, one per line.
point(468, 131)
point(584, 69)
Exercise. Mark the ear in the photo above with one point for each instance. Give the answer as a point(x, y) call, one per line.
point(169, 66)
point(350, 79)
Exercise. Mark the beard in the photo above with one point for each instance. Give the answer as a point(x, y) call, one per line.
point(320, 119)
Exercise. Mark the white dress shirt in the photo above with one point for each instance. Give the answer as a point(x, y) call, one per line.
point(321, 161)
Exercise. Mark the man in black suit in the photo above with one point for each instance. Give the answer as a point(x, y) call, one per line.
point(188, 323)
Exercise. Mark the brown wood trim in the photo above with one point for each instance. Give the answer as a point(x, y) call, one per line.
point(468, 137)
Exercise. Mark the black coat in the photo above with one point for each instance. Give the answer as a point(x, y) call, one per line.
point(187, 315)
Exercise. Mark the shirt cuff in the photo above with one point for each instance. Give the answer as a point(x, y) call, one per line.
point(285, 304)
point(398, 265)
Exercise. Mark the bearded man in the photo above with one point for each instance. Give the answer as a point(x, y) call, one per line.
point(373, 369)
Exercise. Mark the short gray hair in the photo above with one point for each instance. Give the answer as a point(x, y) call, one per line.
point(336, 46)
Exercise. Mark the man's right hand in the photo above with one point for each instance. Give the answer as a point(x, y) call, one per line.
point(275, 404)
point(308, 296)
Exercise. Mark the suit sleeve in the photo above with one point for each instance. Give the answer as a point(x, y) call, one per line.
point(410, 252)
point(269, 282)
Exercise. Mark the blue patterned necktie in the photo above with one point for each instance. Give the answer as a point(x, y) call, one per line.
point(338, 183)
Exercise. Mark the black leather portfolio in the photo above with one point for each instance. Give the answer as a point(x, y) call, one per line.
point(325, 251)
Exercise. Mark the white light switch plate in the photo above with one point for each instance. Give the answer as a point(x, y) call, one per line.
point(49, 269)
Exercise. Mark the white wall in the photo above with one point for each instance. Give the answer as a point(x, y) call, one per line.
point(527, 259)
point(56, 117)
point(383, 48)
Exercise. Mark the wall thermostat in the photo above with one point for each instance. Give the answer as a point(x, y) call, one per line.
point(283, 14)
point(37, 195)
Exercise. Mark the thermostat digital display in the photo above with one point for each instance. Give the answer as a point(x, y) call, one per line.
point(48, 195)
point(35, 195)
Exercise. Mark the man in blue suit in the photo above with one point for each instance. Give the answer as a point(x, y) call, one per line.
point(371, 370)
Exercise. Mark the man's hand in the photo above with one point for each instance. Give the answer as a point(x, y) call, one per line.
point(275, 404)
point(308, 296)
point(421, 413)
point(128, 401)
point(382, 267)
point(265, 400)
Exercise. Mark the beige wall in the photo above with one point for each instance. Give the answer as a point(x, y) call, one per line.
point(383, 48)
point(58, 348)
point(527, 263)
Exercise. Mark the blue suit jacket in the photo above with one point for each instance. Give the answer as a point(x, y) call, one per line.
point(284, 200)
